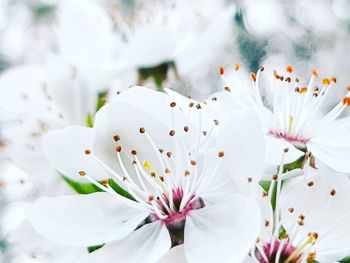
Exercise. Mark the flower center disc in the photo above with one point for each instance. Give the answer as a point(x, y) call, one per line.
point(176, 217)
point(278, 248)
point(295, 140)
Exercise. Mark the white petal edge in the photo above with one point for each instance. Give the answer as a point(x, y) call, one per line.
point(85, 220)
point(70, 151)
point(147, 244)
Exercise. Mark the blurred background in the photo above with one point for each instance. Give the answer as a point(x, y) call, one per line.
point(106, 46)
point(266, 31)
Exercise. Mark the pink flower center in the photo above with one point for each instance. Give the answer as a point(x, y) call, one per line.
point(283, 249)
point(175, 217)
point(295, 140)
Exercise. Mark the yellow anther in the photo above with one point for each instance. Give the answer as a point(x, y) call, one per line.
point(253, 76)
point(236, 67)
point(148, 166)
point(326, 81)
point(303, 90)
point(346, 101)
point(289, 69)
point(311, 257)
point(315, 72)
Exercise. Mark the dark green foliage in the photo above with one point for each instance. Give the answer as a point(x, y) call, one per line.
point(158, 73)
point(81, 188)
point(120, 190)
point(94, 248)
point(251, 48)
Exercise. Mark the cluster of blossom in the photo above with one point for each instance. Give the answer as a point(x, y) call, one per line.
point(103, 161)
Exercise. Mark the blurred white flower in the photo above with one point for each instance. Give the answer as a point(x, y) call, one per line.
point(38, 99)
point(317, 16)
point(63, 89)
point(174, 37)
point(183, 190)
point(295, 114)
point(21, 242)
point(26, 246)
point(310, 222)
point(341, 8)
point(264, 18)
point(31, 112)
point(23, 38)
point(87, 43)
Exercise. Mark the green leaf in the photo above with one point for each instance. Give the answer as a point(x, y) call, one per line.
point(3, 63)
point(94, 248)
point(282, 233)
point(345, 260)
point(3, 246)
point(89, 120)
point(101, 100)
point(120, 190)
point(43, 11)
point(299, 163)
point(265, 185)
point(81, 188)
point(274, 196)
point(89, 188)
point(158, 73)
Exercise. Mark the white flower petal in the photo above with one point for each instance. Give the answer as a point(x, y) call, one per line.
point(335, 134)
point(221, 232)
point(85, 220)
point(274, 151)
point(181, 100)
point(209, 41)
point(72, 94)
point(271, 170)
point(248, 259)
point(174, 255)
point(150, 46)
point(242, 142)
point(322, 198)
point(209, 112)
point(87, 40)
point(25, 151)
point(223, 102)
point(266, 215)
point(157, 104)
point(13, 216)
point(125, 120)
point(70, 151)
point(333, 156)
point(29, 247)
point(147, 245)
point(23, 90)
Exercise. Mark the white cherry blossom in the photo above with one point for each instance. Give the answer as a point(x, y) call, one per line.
point(183, 191)
point(310, 222)
point(294, 113)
